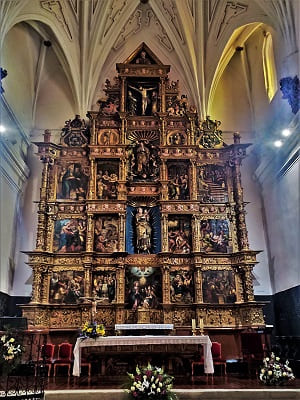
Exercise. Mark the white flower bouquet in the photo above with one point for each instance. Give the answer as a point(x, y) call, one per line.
point(274, 372)
point(150, 383)
point(10, 353)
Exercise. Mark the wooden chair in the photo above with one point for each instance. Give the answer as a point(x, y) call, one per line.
point(85, 362)
point(64, 357)
point(253, 351)
point(216, 350)
point(46, 357)
point(199, 362)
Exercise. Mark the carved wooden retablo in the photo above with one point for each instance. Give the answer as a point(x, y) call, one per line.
point(141, 212)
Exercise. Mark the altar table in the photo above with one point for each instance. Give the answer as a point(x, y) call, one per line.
point(141, 341)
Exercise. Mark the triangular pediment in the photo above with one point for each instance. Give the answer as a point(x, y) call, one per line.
point(143, 55)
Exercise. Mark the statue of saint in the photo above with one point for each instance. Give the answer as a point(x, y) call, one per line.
point(143, 231)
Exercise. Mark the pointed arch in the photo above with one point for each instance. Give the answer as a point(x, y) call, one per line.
point(269, 66)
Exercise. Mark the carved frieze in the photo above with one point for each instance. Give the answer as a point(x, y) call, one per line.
point(105, 207)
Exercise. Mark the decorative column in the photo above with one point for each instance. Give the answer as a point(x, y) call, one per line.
point(198, 285)
point(163, 95)
point(49, 234)
point(93, 137)
point(239, 287)
point(191, 137)
point(92, 182)
point(90, 233)
point(40, 238)
point(122, 105)
point(87, 280)
point(46, 276)
point(164, 231)
point(196, 232)
point(120, 294)
point(36, 284)
point(163, 128)
point(123, 127)
point(194, 189)
point(235, 161)
point(248, 283)
point(164, 180)
point(122, 232)
point(166, 284)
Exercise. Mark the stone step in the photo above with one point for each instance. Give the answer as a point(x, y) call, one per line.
point(182, 394)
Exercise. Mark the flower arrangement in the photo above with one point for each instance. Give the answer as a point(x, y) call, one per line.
point(92, 330)
point(275, 372)
point(10, 352)
point(151, 383)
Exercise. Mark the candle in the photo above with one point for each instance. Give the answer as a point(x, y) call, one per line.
point(201, 324)
point(193, 324)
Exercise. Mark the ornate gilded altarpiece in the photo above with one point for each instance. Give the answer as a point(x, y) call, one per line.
point(142, 208)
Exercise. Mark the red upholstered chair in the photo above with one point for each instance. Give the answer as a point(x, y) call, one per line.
point(64, 357)
point(216, 351)
point(46, 357)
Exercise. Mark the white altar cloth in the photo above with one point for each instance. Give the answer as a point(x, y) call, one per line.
point(144, 340)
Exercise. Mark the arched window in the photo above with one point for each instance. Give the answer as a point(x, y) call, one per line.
point(269, 66)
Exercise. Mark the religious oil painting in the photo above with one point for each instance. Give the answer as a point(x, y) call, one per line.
point(104, 286)
point(66, 287)
point(143, 288)
point(182, 286)
point(69, 235)
point(218, 287)
point(107, 179)
point(72, 182)
point(179, 234)
point(178, 184)
point(106, 233)
point(212, 184)
point(215, 235)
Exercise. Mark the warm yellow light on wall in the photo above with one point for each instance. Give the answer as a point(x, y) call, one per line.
point(269, 66)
